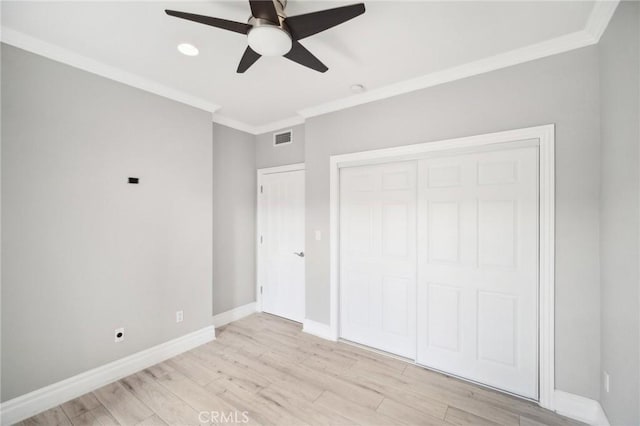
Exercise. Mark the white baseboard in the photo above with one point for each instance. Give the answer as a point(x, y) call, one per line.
point(42, 399)
point(235, 314)
point(319, 329)
point(580, 408)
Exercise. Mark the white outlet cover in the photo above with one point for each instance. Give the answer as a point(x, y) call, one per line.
point(318, 235)
point(179, 316)
point(115, 335)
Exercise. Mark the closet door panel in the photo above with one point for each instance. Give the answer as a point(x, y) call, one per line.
point(378, 256)
point(477, 267)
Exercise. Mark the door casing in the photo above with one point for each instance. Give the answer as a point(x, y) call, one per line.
point(546, 139)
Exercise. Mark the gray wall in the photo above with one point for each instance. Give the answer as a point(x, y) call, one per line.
point(268, 155)
point(619, 51)
point(83, 252)
point(562, 89)
point(234, 218)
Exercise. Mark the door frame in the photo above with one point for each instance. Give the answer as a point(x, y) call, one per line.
point(260, 173)
point(546, 274)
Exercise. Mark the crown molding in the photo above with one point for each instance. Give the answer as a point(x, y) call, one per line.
point(257, 130)
point(532, 52)
point(279, 125)
point(60, 54)
point(233, 123)
point(599, 18)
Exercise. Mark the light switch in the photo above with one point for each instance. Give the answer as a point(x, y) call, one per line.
point(318, 235)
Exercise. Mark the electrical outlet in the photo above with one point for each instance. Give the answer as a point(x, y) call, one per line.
point(119, 335)
point(318, 235)
point(179, 316)
point(606, 381)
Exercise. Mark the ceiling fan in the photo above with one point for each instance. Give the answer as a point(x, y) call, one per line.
point(272, 33)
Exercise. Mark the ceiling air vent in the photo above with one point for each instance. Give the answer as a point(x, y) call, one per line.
point(283, 138)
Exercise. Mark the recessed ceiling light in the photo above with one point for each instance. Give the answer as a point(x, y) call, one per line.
point(188, 49)
point(357, 88)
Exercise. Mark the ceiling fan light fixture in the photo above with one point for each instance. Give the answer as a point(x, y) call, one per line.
point(188, 49)
point(269, 40)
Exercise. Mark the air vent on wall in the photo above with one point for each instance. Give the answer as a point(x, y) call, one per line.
point(283, 138)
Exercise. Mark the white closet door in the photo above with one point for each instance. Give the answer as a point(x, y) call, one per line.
point(282, 222)
point(478, 267)
point(378, 256)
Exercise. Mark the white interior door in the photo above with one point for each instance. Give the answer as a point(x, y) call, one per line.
point(282, 246)
point(378, 256)
point(478, 267)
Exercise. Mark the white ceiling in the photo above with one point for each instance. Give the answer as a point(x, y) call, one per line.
point(392, 42)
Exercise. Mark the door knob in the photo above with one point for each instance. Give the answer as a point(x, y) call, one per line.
point(301, 254)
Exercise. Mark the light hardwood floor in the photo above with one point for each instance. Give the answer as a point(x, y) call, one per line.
point(264, 370)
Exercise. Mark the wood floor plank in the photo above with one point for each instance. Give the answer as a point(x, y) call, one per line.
point(53, 417)
point(356, 392)
point(86, 419)
point(104, 417)
point(407, 414)
point(401, 392)
point(356, 351)
point(548, 418)
point(302, 407)
point(259, 341)
point(459, 417)
point(122, 404)
point(258, 408)
point(374, 365)
point(282, 360)
point(231, 336)
point(233, 370)
point(96, 416)
point(171, 409)
point(354, 412)
point(159, 370)
point(152, 421)
point(324, 359)
point(255, 365)
point(524, 421)
point(294, 387)
point(80, 405)
point(190, 366)
point(268, 321)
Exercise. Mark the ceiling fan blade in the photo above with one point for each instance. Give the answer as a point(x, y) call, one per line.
point(301, 55)
point(264, 9)
point(301, 26)
point(249, 58)
point(237, 27)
